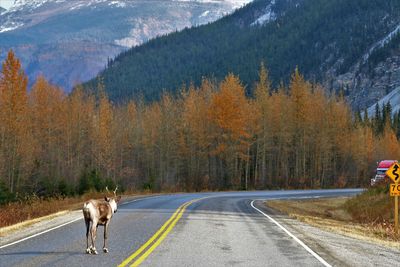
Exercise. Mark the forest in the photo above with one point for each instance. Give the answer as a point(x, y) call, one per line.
point(207, 137)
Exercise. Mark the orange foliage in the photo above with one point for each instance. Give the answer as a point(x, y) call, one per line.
point(210, 137)
point(228, 111)
point(16, 146)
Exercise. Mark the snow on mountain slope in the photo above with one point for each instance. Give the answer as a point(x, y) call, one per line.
point(10, 26)
point(268, 16)
point(234, 3)
point(70, 41)
point(382, 42)
point(393, 98)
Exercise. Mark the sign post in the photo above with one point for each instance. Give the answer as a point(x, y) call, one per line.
point(396, 213)
point(394, 173)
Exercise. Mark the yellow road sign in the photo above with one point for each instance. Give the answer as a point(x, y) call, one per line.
point(394, 190)
point(394, 172)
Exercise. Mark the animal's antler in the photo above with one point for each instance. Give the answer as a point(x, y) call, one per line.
point(115, 191)
point(108, 191)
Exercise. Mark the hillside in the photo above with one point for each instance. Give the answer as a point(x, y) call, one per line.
point(70, 41)
point(330, 41)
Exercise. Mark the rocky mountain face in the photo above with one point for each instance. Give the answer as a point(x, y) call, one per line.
point(373, 77)
point(70, 41)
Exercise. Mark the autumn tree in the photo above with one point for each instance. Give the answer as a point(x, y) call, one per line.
point(126, 142)
point(15, 143)
point(151, 127)
point(195, 136)
point(227, 112)
point(262, 95)
point(300, 95)
point(47, 104)
point(103, 126)
point(78, 134)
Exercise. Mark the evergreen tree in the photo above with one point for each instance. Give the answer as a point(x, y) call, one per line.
point(378, 122)
point(366, 119)
point(396, 124)
point(357, 118)
point(388, 111)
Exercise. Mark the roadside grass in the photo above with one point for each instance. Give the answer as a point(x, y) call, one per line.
point(16, 212)
point(372, 206)
point(368, 216)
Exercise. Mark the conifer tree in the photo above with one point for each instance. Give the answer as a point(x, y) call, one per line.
point(357, 117)
point(366, 119)
point(378, 122)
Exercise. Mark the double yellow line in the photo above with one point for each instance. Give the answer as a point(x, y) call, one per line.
point(146, 249)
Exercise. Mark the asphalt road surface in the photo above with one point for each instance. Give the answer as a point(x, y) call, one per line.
point(204, 229)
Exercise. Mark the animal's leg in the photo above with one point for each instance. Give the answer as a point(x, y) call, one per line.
point(105, 237)
point(93, 235)
point(87, 222)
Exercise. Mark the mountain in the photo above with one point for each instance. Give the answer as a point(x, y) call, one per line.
point(349, 46)
point(70, 41)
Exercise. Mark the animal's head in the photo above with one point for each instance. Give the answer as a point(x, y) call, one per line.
point(114, 200)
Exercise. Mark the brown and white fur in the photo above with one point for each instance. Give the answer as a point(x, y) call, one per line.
point(99, 212)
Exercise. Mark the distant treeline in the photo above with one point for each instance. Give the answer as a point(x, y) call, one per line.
point(211, 137)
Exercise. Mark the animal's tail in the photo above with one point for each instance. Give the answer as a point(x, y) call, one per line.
point(85, 209)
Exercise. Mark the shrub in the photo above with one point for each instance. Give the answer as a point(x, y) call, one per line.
point(373, 205)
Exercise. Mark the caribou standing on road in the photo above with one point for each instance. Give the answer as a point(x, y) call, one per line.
point(99, 212)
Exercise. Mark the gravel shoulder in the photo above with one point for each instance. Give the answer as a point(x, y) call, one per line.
point(338, 242)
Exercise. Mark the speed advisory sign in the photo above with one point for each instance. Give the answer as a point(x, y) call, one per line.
point(394, 190)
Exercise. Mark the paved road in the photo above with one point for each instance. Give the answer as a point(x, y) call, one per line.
point(212, 229)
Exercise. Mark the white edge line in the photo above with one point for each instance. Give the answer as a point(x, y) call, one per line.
point(319, 258)
point(37, 234)
point(61, 225)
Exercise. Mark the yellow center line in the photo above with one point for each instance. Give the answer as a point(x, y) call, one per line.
point(163, 236)
point(145, 245)
point(174, 219)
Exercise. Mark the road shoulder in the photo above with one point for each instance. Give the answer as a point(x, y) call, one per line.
point(336, 248)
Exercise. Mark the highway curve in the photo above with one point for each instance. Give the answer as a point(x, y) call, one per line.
point(203, 229)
